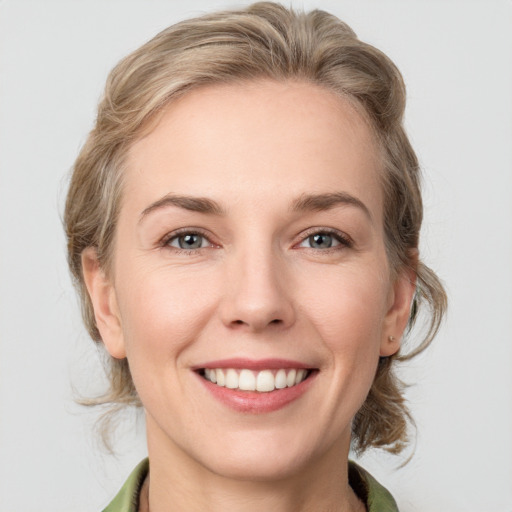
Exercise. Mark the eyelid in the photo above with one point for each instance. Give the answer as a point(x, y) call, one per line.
point(345, 241)
point(164, 241)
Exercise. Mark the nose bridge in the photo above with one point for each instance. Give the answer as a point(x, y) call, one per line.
point(258, 295)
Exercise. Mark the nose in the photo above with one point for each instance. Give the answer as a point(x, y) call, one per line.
point(258, 294)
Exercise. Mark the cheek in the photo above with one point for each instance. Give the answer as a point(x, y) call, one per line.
point(162, 311)
point(348, 308)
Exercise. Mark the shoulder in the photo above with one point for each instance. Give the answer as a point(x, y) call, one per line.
point(127, 499)
point(376, 497)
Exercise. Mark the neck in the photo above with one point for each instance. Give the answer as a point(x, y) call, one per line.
point(178, 482)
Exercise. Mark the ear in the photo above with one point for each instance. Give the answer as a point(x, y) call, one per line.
point(102, 294)
point(400, 301)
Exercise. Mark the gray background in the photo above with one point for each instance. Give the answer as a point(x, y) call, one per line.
point(456, 57)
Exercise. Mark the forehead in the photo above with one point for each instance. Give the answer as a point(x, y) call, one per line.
point(250, 140)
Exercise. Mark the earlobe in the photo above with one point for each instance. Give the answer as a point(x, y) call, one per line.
point(102, 294)
point(398, 313)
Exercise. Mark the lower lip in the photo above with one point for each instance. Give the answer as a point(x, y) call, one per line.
point(255, 402)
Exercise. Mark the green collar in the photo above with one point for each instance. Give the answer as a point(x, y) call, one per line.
point(127, 499)
point(376, 497)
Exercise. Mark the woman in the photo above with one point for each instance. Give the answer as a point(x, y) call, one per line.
point(243, 227)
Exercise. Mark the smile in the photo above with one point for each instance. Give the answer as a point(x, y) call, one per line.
point(256, 386)
point(263, 381)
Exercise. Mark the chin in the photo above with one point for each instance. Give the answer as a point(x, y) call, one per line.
point(265, 457)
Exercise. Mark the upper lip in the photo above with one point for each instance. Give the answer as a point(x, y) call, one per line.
point(253, 364)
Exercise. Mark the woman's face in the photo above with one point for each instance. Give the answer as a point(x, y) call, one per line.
point(250, 250)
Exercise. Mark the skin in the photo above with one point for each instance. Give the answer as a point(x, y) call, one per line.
point(258, 287)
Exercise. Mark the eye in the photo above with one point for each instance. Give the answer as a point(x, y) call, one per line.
point(323, 240)
point(320, 241)
point(188, 241)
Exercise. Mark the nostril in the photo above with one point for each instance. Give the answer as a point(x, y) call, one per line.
point(276, 321)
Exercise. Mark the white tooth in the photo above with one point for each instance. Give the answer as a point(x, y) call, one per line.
point(247, 380)
point(231, 379)
point(265, 381)
point(281, 379)
point(207, 374)
point(221, 380)
point(300, 376)
point(212, 376)
point(290, 378)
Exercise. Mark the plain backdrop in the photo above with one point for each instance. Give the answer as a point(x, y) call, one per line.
point(456, 57)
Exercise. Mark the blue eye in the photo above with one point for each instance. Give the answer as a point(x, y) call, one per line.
point(323, 240)
point(188, 241)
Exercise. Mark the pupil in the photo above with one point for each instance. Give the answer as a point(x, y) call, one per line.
point(190, 241)
point(321, 240)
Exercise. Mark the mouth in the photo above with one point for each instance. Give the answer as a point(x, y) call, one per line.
point(261, 381)
point(256, 386)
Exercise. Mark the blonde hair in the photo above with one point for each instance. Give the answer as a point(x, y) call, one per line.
point(262, 41)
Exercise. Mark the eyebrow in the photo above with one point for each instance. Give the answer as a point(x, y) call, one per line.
point(305, 202)
point(193, 204)
point(320, 202)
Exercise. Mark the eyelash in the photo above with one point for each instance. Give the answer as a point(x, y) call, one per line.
point(166, 240)
point(345, 242)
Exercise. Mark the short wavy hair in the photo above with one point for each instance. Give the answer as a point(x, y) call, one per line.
point(263, 41)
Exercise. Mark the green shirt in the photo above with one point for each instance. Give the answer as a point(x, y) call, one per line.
point(376, 497)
